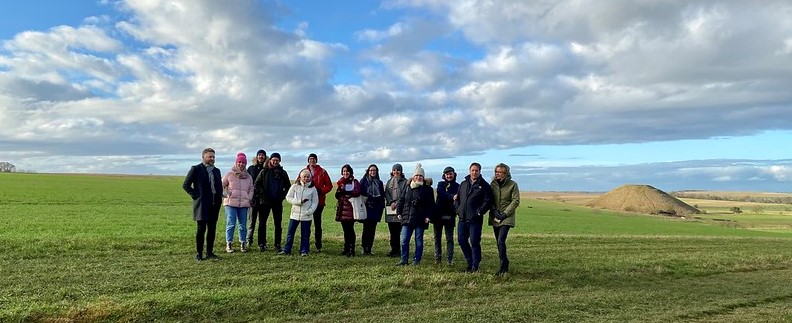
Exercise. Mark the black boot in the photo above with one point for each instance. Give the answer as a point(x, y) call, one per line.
point(351, 251)
point(504, 267)
point(346, 250)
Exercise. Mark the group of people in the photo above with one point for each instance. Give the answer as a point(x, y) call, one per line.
point(409, 206)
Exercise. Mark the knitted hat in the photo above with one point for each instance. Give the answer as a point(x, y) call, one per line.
point(398, 167)
point(261, 151)
point(275, 155)
point(448, 169)
point(241, 158)
point(419, 170)
point(313, 155)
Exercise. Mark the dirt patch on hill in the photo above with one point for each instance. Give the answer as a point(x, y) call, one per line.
point(642, 199)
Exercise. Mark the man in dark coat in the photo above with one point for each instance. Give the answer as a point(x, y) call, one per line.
point(472, 203)
point(204, 184)
point(257, 209)
point(271, 186)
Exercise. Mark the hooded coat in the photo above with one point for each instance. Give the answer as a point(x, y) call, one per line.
point(344, 211)
point(416, 205)
point(321, 181)
point(238, 186)
point(445, 200)
point(302, 211)
point(505, 198)
point(271, 185)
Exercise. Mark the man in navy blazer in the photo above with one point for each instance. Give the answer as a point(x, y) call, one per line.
point(204, 184)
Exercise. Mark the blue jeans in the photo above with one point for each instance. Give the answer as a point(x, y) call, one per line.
point(234, 215)
point(305, 235)
point(469, 234)
point(406, 234)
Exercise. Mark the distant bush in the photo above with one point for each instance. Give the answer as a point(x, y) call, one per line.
point(735, 210)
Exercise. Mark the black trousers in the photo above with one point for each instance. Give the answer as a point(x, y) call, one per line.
point(255, 214)
point(501, 233)
point(277, 215)
point(448, 227)
point(349, 234)
point(317, 222)
point(369, 229)
point(395, 236)
point(207, 228)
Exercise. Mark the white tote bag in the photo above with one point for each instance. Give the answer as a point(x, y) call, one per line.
point(358, 207)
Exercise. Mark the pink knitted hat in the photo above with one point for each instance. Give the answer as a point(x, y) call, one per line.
point(241, 158)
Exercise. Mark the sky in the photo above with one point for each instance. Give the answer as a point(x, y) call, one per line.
point(572, 95)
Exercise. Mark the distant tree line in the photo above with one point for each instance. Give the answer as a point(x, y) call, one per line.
point(745, 198)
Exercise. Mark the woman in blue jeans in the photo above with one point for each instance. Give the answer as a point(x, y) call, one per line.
point(414, 209)
point(304, 199)
point(238, 192)
point(506, 199)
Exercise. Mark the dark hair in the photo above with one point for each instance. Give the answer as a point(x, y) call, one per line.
point(314, 156)
point(375, 167)
point(475, 164)
point(351, 172)
point(207, 150)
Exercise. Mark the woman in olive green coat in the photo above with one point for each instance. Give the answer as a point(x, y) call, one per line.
point(506, 198)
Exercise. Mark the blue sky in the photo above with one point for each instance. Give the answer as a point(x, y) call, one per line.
point(575, 96)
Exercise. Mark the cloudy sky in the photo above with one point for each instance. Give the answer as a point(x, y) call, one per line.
point(574, 95)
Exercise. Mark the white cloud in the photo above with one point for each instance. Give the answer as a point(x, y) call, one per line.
point(460, 78)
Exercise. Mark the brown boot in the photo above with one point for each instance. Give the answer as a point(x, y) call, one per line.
point(228, 247)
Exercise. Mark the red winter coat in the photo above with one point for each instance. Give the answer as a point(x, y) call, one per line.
point(321, 181)
point(344, 212)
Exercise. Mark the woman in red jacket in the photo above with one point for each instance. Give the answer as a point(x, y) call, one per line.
point(347, 187)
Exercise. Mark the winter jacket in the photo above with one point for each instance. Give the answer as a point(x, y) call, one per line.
point(321, 181)
point(473, 200)
point(302, 211)
point(416, 205)
point(206, 206)
point(393, 189)
point(445, 201)
point(271, 185)
point(344, 212)
point(238, 188)
point(505, 198)
point(254, 171)
point(374, 204)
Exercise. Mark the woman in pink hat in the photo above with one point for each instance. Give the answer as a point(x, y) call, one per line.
point(238, 192)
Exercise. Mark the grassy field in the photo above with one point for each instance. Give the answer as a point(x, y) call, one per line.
point(120, 248)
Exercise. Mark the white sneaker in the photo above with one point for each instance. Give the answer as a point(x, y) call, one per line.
point(228, 248)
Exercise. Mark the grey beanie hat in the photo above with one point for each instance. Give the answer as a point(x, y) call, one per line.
point(397, 167)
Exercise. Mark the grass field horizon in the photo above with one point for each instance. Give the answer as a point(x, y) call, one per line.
point(119, 248)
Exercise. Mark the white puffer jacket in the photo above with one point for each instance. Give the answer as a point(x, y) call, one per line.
point(302, 211)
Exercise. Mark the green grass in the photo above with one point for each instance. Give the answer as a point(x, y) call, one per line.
point(116, 248)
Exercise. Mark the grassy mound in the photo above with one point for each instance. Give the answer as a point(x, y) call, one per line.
point(642, 199)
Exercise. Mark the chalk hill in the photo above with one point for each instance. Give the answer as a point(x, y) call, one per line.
point(642, 199)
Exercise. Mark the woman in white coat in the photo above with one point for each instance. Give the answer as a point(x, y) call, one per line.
point(304, 199)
